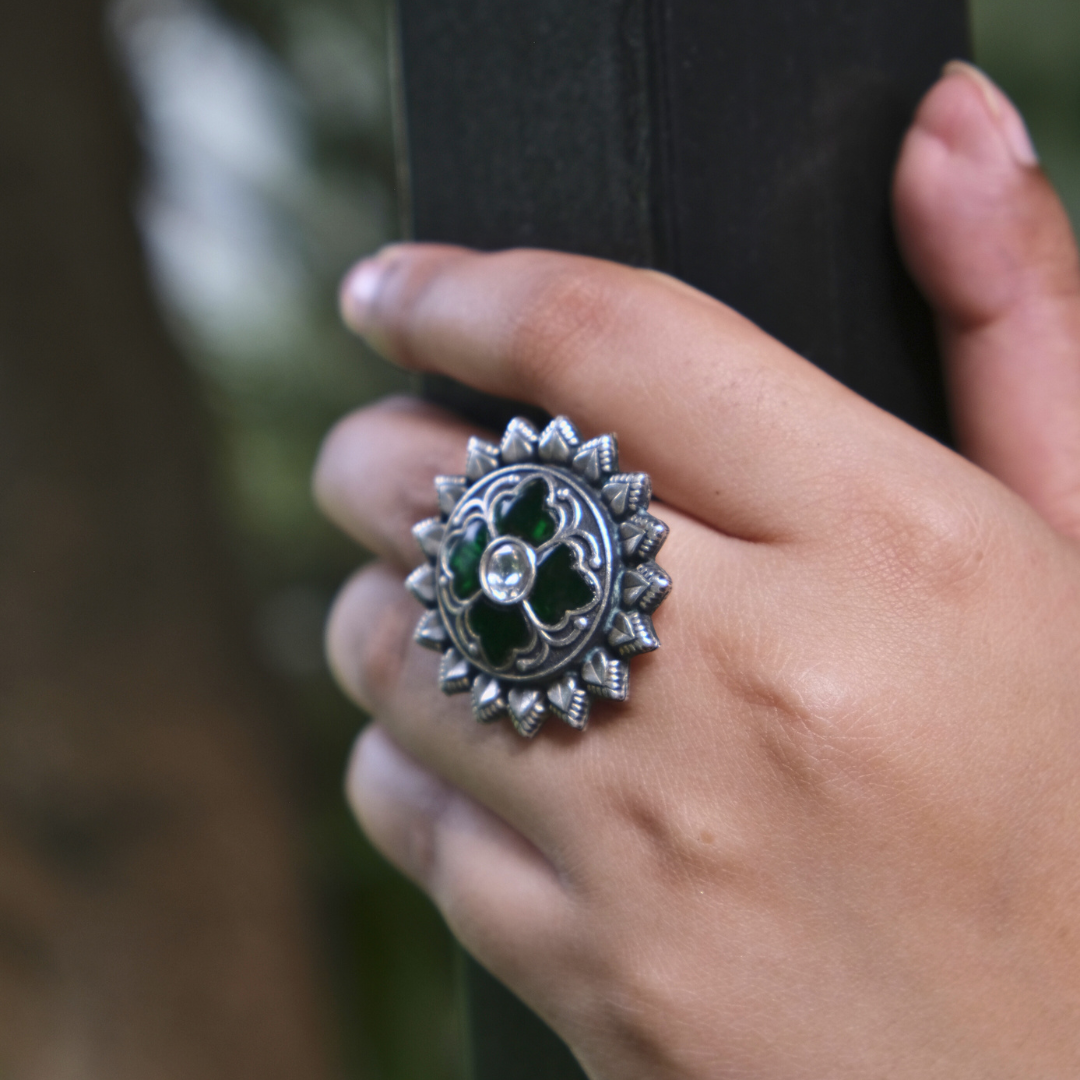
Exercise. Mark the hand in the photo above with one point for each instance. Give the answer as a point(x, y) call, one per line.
point(834, 831)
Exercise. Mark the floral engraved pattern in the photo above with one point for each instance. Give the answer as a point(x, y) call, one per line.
point(540, 583)
point(520, 634)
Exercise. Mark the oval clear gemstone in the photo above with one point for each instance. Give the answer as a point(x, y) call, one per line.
point(507, 573)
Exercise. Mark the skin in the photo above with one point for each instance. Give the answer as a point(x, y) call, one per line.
point(833, 833)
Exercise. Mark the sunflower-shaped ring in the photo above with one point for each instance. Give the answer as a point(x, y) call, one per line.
point(540, 581)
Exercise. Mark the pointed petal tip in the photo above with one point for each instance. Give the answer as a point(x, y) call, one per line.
point(519, 442)
point(480, 459)
point(558, 441)
point(431, 633)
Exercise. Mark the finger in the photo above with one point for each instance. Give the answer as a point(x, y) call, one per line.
point(499, 895)
point(376, 470)
point(991, 246)
point(373, 657)
point(620, 349)
point(561, 786)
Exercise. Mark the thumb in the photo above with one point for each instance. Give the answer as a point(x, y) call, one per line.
point(991, 247)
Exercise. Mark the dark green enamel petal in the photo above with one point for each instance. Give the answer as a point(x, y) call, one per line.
point(464, 560)
point(526, 517)
point(558, 588)
point(501, 630)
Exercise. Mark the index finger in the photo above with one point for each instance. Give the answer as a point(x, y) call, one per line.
point(732, 426)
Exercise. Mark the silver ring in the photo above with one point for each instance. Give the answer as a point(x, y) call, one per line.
point(540, 581)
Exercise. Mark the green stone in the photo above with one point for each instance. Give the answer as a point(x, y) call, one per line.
point(465, 559)
point(558, 588)
point(501, 630)
point(527, 517)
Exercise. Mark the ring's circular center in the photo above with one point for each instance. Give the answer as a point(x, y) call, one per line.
point(507, 570)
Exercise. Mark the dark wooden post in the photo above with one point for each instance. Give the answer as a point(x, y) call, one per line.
point(744, 145)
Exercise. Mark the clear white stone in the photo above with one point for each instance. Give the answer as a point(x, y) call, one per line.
point(507, 571)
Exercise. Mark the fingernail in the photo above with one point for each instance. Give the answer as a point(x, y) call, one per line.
point(1004, 114)
point(358, 292)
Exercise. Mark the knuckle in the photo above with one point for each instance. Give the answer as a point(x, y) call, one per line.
point(645, 997)
point(915, 542)
point(931, 546)
point(565, 314)
point(911, 570)
point(671, 845)
point(817, 729)
point(656, 841)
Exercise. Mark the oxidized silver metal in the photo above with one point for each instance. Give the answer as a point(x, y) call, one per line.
point(540, 581)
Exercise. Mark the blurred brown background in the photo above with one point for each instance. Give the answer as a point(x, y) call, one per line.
point(182, 892)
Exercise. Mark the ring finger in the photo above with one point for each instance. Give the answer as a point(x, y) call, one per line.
point(370, 640)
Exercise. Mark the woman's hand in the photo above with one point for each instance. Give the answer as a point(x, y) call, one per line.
point(835, 832)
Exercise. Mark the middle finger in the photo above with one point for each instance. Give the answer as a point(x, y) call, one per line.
point(564, 785)
point(376, 470)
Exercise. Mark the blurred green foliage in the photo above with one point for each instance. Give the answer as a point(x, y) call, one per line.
point(388, 951)
point(317, 192)
point(1032, 48)
point(273, 401)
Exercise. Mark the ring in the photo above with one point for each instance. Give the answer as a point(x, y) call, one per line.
point(540, 582)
